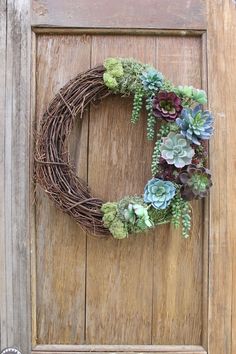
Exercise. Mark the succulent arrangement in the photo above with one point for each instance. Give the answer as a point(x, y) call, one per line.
point(179, 161)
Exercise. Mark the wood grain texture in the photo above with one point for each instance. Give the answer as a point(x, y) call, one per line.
point(177, 299)
point(159, 351)
point(120, 348)
point(119, 273)
point(3, 300)
point(125, 352)
point(15, 108)
point(180, 14)
point(222, 93)
point(205, 220)
point(60, 243)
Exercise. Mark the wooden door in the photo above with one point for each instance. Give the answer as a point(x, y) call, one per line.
point(64, 290)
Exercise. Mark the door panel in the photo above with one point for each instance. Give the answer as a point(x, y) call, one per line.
point(142, 290)
point(60, 243)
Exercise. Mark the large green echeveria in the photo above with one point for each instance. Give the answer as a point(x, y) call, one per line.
point(176, 150)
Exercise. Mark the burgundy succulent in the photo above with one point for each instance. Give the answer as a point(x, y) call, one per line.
point(195, 181)
point(166, 105)
point(167, 172)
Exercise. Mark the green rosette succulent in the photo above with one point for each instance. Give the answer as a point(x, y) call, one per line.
point(176, 150)
point(195, 181)
point(159, 193)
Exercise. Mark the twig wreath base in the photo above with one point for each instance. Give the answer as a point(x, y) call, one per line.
point(178, 163)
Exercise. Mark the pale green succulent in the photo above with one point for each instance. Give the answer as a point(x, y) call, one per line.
point(114, 67)
point(110, 81)
point(114, 71)
point(176, 150)
point(134, 212)
point(191, 93)
point(112, 221)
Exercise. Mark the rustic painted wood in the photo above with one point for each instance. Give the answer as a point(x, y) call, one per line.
point(222, 93)
point(164, 350)
point(177, 293)
point(3, 308)
point(14, 187)
point(159, 350)
point(180, 14)
point(125, 352)
point(119, 274)
point(60, 243)
point(205, 220)
point(121, 348)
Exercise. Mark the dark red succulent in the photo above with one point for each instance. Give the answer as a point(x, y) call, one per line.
point(195, 181)
point(167, 172)
point(166, 105)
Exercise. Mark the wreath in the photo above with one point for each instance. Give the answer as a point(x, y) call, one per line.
point(179, 160)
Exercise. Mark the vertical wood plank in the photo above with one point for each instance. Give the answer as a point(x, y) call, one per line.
point(119, 273)
point(3, 34)
point(205, 220)
point(15, 299)
point(222, 93)
point(177, 300)
point(60, 243)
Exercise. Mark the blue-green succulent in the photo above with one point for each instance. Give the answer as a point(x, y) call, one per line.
point(152, 80)
point(159, 193)
point(176, 150)
point(195, 124)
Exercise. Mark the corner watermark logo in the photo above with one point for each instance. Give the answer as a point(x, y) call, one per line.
point(10, 351)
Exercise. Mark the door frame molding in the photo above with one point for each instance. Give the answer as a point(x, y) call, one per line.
point(16, 185)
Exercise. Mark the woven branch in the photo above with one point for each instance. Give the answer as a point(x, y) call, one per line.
point(54, 171)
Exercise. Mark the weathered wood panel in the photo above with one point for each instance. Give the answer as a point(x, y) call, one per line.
point(191, 349)
point(177, 297)
point(3, 299)
point(222, 246)
point(14, 188)
point(60, 243)
point(179, 14)
point(119, 273)
point(106, 258)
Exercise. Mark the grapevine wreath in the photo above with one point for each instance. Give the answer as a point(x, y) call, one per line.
point(179, 161)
